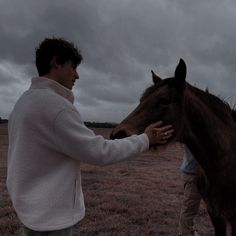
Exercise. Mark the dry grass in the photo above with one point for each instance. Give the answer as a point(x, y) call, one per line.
point(138, 197)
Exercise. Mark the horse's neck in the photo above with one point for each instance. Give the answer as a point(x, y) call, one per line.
point(209, 139)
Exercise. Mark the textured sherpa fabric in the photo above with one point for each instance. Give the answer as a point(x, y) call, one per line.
point(47, 143)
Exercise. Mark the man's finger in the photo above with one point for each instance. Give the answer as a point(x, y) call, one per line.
point(156, 124)
point(170, 131)
point(166, 127)
point(165, 134)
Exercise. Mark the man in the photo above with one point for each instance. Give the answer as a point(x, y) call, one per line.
point(48, 141)
point(192, 197)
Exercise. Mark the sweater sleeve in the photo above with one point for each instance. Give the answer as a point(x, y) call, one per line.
point(75, 140)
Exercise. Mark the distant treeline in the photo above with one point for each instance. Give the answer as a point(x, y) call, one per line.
point(3, 120)
point(100, 125)
point(87, 123)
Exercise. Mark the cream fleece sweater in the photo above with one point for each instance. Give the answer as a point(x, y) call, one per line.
point(47, 142)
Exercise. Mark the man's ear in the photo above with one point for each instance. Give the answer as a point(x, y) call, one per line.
point(54, 63)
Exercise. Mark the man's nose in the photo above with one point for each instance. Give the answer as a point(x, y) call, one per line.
point(76, 75)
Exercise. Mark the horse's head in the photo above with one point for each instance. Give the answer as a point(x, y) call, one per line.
point(162, 101)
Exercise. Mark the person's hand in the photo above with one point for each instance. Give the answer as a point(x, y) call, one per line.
point(158, 134)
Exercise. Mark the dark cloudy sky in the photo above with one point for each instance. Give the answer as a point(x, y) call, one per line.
point(121, 41)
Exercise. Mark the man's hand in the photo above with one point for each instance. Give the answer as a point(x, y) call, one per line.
point(158, 134)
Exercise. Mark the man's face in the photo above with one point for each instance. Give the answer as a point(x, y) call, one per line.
point(66, 74)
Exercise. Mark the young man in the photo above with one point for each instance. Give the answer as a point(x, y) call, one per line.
point(48, 141)
point(192, 197)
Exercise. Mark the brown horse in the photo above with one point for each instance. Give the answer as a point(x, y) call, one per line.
point(206, 125)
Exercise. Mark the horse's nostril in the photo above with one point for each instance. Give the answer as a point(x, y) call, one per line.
point(119, 135)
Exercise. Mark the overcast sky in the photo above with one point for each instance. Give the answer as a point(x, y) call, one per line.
point(121, 41)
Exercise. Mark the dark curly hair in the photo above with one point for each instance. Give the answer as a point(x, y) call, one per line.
point(58, 49)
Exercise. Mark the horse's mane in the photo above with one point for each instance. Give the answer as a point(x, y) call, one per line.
point(220, 107)
point(233, 111)
point(234, 114)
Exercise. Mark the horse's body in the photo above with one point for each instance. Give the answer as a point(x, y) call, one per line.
point(207, 126)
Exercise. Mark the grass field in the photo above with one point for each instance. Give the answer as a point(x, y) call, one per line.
point(137, 197)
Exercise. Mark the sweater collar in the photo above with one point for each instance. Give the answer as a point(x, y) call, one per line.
point(43, 82)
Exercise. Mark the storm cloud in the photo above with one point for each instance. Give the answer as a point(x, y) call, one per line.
point(121, 41)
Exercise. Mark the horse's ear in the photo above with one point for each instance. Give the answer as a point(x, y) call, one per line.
point(155, 78)
point(180, 73)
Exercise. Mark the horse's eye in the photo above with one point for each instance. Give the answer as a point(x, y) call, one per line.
point(164, 101)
